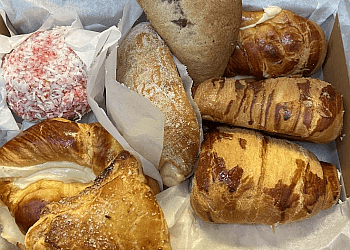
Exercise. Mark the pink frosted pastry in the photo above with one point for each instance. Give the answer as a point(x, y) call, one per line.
point(44, 78)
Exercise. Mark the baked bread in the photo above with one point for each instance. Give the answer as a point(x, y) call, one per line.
point(299, 108)
point(201, 34)
point(245, 177)
point(119, 211)
point(285, 45)
point(44, 78)
point(146, 66)
point(52, 159)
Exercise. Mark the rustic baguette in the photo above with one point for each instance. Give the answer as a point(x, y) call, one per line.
point(146, 66)
point(299, 108)
point(285, 45)
point(201, 34)
point(245, 177)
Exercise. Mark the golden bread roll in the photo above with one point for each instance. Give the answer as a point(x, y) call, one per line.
point(299, 108)
point(52, 159)
point(201, 34)
point(146, 66)
point(285, 45)
point(245, 177)
point(119, 211)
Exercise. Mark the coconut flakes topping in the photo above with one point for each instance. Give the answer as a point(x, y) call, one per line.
point(44, 78)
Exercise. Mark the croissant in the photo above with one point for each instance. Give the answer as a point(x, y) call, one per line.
point(300, 108)
point(119, 211)
point(285, 45)
point(245, 177)
point(53, 159)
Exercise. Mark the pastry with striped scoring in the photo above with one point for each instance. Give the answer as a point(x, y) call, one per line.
point(44, 78)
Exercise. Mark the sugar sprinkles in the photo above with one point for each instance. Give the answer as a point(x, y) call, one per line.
point(44, 78)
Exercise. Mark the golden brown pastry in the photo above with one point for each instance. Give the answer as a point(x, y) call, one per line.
point(201, 34)
point(146, 66)
point(285, 45)
point(119, 211)
point(299, 108)
point(245, 177)
point(50, 160)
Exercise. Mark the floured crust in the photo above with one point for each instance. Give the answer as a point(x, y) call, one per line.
point(201, 34)
point(118, 211)
point(145, 65)
point(245, 177)
point(300, 108)
point(285, 45)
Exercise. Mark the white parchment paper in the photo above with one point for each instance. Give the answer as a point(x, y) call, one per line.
point(330, 229)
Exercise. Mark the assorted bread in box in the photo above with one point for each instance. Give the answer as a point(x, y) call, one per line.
point(241, 175)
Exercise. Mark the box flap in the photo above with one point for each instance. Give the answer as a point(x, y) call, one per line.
point(335, 72)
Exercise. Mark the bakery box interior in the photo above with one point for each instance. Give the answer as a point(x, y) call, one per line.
point(335, 72)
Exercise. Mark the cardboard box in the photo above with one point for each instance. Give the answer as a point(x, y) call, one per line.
point(335, 72)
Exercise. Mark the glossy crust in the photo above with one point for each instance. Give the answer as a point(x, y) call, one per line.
point(53, 140)
point(119, 211)
point(201, 34)
point(245, 177)
point(146, 66)
point(285, 45)
point(299, 108)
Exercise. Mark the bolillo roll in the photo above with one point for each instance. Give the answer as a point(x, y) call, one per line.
point(146, 66)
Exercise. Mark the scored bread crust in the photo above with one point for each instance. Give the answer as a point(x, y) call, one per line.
point(299, 108)
point(245, 177)
point(285, 45)
point(146, 66)
point(119, 211)
point(201, 34)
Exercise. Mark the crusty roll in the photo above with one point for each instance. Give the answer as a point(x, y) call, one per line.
point(245, 177)
point(285, 45)
point(299, 108)
point(119, 211)
point(146, 66)
point(201, 34)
